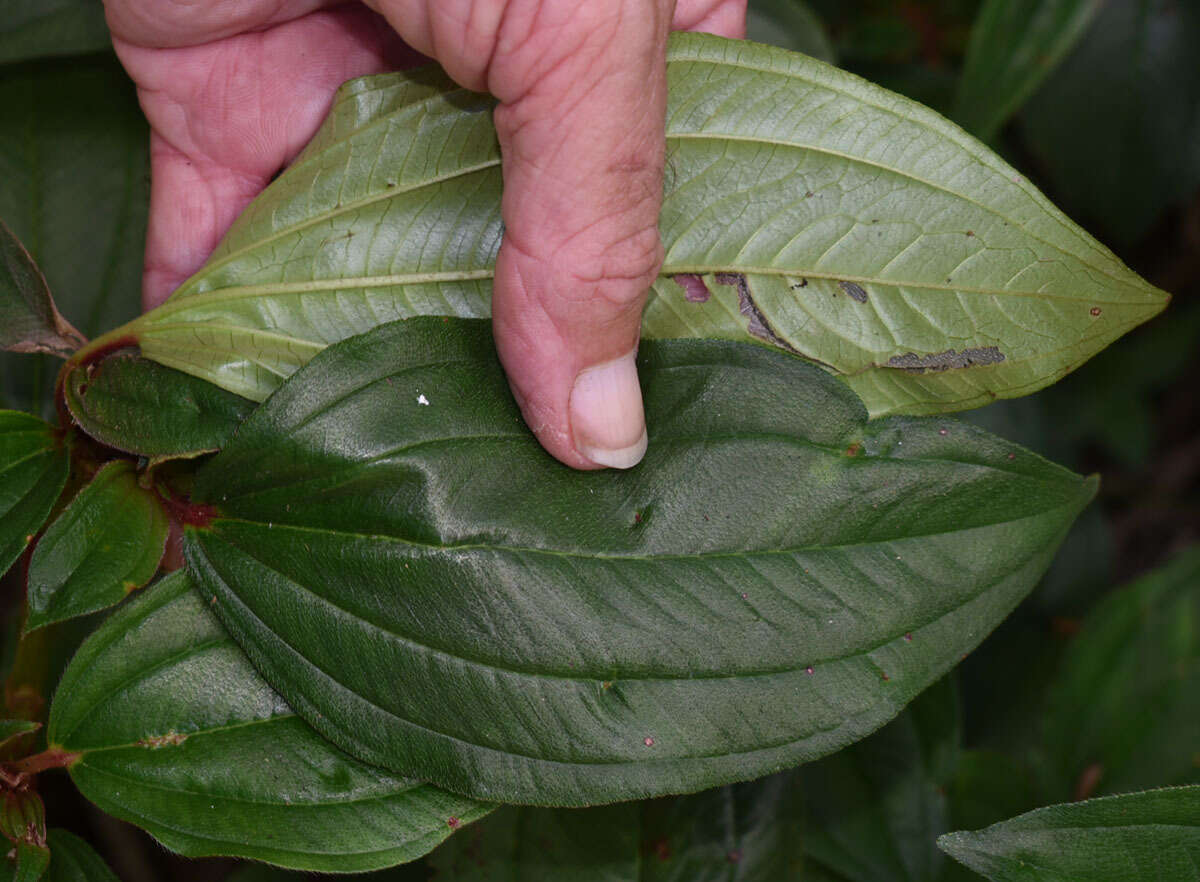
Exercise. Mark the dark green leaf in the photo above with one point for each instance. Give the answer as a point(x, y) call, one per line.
point(40, 28)
point(1015, 44)
point(790, 24)
point(11, 729)
point(804, 208)
point(1123, 713)
point(776, 580)
point(33, 470)
point(1117, 128)
point(32, 861)
point(73, 159)
point(1138, 837)
point(741, 833)
point(105, 544)
point(73, 860)
point(876, 809)
point(139, 406)
point(180, 736)
point(29, 321)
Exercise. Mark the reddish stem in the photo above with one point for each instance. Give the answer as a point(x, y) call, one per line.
point(54, 758)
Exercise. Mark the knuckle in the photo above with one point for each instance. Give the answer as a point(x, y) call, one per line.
point(620, 273)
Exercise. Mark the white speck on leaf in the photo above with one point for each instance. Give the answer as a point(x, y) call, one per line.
point(421, 399)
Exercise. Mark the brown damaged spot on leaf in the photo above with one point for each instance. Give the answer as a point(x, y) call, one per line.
point(758, 325)
point(855, 292)
point(854, 449)
point(171, 739)
point(694, 289)
point(951, 359)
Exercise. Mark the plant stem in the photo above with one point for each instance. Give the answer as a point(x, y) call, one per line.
point(54, 758)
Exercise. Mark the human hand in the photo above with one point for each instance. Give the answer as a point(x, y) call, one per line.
point(234, 90)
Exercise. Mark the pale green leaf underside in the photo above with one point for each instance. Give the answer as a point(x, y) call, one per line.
point(874, 237)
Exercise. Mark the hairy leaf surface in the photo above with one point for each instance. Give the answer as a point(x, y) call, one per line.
point(33, 470)
point(142, 407)
point(29, 321)
point(105, 544)
point(1136, 837)
point(777, 579)
point(740, 833)
point(1014, 47)
point(804, 209)
point(179, 735)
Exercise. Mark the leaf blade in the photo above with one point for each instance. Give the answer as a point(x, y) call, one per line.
point(746, 832)
point(73, 860)
point(1121, 713)
point(107, 543)
point(1133, 837)
point(178, 735)
point(33, 472)
point(821, 214)
point(139, 406)
point(29, 320)
point(1012, 49)
point(657, 616)
point(876, 808)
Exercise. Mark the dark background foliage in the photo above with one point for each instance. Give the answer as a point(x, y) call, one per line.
point(1111, 134)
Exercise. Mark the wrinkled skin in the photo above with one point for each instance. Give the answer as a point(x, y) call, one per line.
point(234, 89)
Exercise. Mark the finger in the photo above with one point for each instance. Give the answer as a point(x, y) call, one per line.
point(725, 18)
point(227, 116)
point(162, 23)
point(581, 126)
point(192, 203)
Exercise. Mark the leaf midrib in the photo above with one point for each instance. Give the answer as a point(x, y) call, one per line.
point(352, 471)
point(573, 677)
point(341, 208)
point(410, 785)
point(251, 842)
point(216, 296)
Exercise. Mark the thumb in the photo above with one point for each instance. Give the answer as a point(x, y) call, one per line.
point(582, 89)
